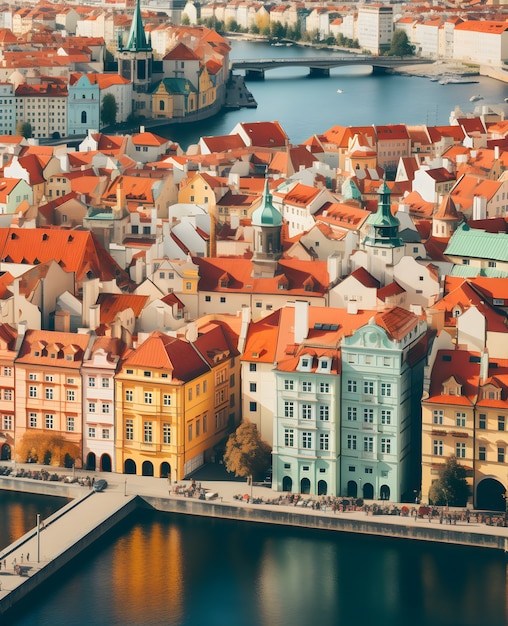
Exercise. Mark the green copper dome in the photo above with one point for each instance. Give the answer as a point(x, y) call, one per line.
point(266, 214)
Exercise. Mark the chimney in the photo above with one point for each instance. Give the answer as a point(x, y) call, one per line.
point(246, 319)
point(94, 316)
point(484, 366)
point(90, 293)
point(22, 328)
point(496, 152)
point(63, 321)
point(352, 307)
point(141, 129)
point(191, 332)
point(301, 325)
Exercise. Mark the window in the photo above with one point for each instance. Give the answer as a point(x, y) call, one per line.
point(105, 383)
point(32, 376)
point(71, 424)
point(189, 394)
point(48, 378)
point(482, 421)
point(189, 432)
point(147, 374)
point(32, 420)
point(147, 432)
point(205, 424)
point(129, 395)
point(437, 416)
point(386, 389)
point(306, 439)
point(252, 367)
point(351, 386)
point(460, 419)
point(166, 433)
point(252, 387)
point(166, 399)
point(500, 455)
point(105, 407)
point(7, 371)
point(105, 433)
point(129, 429)
point(49, 420)
point(306, 386)
point(7, 394)
point(148, 397)
point(289, 385)
point(386, 446)
point(253, 407)
point(289, 437)
point(500, 422)
point(49, 393)
point(198, 428)
point(324, 412)
point(91, 381)
point(482, 453)
point(306, 411)
point(351, 442)
point(368, 416)
point(91, 407)
point(222, 299)
point(438, 447)
point(368, 387)
point(91, 432)
point(7, 422)
point(324, 387)
point(289, 409)
point(386, 417)
point(368, 444)
point(323, 441)
point(460, 450)
point(71, 395)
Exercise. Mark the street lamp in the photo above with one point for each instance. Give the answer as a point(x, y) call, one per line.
point(38, 537)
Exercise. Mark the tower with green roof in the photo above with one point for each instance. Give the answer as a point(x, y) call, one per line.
point(382, 242)
point(135, 59)
point(267, 226)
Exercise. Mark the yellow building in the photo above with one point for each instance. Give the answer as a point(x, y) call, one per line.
point(466, 415)
point(176, 400)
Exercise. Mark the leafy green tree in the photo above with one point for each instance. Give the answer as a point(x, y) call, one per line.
point(400, 46)
point(24, 129)
point(247, 455)
point(277, 30)
point(451, 487)
point(232, 25)
point(185, 20)
point(109, 110)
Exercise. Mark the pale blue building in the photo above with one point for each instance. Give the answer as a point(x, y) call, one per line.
point(83, 107)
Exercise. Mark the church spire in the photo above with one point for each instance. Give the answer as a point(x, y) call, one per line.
point(137, 38)
point(383, 226)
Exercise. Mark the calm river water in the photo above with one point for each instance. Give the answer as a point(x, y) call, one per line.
point(160, 569)
point(307, 106)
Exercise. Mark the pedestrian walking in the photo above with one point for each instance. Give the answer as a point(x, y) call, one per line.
point(27, 557)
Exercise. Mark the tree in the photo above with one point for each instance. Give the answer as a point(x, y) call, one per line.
point(451, 487)
point(185, 20)
point(400, 46)
point(109, 110)
point(247, 455)
point(50, 449)
point(24, 129)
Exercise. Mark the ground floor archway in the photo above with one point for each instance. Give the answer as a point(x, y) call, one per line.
point(352, 489)
point(91, 461)
point(287, 483)
point(147, 468)
point(165, 471)
point(5, 452)
point(368, 491)
point(384, 492)
point(129, 467)
point(105, 463)
point(322, 488)
point(305, 486)
point(489, 495)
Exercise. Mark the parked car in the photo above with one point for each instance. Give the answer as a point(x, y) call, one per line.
point(100, 485)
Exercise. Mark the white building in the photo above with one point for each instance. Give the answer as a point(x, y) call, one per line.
point(483, 42)
point(375, 27)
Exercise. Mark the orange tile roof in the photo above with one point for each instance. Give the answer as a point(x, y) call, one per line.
point(113, 303)
point(45, 348)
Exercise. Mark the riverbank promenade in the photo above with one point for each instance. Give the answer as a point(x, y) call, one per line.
point(37, 555)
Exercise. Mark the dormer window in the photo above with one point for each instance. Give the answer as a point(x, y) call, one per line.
point(324, 364)
point(305, 363)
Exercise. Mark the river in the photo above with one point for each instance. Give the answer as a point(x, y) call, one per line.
point(306, 106)
point(157, 569)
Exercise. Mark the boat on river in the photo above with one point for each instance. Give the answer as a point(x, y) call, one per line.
point(475, 98)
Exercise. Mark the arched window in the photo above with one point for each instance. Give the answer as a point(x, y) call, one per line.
point(83, 117)
point(161, 105)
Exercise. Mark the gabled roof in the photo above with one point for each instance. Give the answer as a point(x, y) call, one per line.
point(181, 53)
point(45, 348)
point(113, 303)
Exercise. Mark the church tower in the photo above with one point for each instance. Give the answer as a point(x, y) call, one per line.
point(382, 242)
point(267, 225)
point(135, 63)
